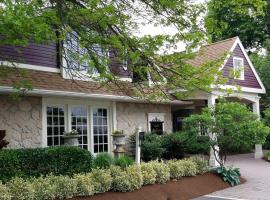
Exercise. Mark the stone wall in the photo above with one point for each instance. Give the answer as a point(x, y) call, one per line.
point(131, 115)
point(22, 121)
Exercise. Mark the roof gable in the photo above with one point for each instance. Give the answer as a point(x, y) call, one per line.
point(232, 47)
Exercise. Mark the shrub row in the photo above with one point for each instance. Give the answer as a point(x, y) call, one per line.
point(99, 180)
point(62, 160)
point(173, 146)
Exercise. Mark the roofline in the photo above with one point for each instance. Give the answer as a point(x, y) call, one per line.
point(220, 41)
point(58, 93)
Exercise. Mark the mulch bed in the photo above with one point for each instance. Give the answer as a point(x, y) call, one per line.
point(186, 188)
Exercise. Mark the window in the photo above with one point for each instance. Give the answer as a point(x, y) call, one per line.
point(238, 68)
point(91, 123)
point(55, 125)
point(100, 130)
point(78, 57)
point(79, 123)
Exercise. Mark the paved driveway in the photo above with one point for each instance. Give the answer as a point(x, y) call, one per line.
point(257, 174)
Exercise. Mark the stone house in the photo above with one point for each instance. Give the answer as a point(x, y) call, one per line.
point(58, 104)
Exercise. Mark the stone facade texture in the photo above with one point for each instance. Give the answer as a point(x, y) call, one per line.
point(131, 115)
point(22, 121)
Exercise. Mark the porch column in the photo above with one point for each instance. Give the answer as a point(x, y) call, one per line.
point(212, 160)
point(258, 147)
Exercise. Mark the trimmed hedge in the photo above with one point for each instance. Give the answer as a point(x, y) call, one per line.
point(62, 160)
point(99, 180)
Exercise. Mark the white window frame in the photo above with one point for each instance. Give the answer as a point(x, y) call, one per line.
point(89, 104)
point(69, 125)
point(242, 72)
point(81, 74)
point(108, 126)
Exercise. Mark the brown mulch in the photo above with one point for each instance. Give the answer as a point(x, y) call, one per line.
point(186, 188)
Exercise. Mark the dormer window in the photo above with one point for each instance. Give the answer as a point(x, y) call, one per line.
point(238, 68)
point(78, 58)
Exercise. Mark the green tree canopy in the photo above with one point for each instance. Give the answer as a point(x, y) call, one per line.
point(108, 25)
point(233, 125)
point(248, 19)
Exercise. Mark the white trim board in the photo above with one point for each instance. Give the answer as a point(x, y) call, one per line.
point(28, 66)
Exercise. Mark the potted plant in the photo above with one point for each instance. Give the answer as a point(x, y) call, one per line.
point(118, 137)
point(119, 142)
point(71, 138)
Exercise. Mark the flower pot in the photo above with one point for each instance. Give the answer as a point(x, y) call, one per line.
point(119, 139)
point(71, 140)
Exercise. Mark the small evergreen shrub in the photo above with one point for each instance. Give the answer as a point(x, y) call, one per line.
point(148, 173)
point(162, 171)
point(43, 189)
point(190, 168)
point(85, 186)
point(201, 164)
point(124, 161)
point(4, 193)
point(61, 160)
point(151, 147)
point(101, 180)
point(177, 169)
point(126, 180)
point(64, 186)
point(20, 189)
point(103, 160)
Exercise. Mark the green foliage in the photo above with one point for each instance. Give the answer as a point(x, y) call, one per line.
point(98, 181)
point(152, 147)
point(113, 26)
point(190, 167)
point(234, 125)
point(201, 164)
point(173, 145)
point(124, 161)
point(5, 194)
point(101, 180)
point(148, 173)
point(267, 156)
point(162, 171)
point(20, 189)
point(64, 186)
point(230, 175)
point(245, 18)
point(43, 189)
point(61, 160)
point(127, 179)
point(187, 142)
point(103, 160)
point(85, 186)
point(176, 169)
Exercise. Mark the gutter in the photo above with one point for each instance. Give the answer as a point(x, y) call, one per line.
point(57, 93)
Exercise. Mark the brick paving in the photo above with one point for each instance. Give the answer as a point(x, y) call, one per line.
point(257, 174)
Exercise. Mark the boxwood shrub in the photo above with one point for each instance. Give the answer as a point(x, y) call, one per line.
point(62, 160)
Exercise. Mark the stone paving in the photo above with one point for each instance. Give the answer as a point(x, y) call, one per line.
point(257, 174)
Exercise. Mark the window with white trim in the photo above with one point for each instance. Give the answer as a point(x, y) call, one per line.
point(91, 123)
point(78, 58)
point(100, 130)
point(238, 68)
point(55, 125)
point(79, 123)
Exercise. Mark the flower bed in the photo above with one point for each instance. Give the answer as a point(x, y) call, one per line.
point(98, 181)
